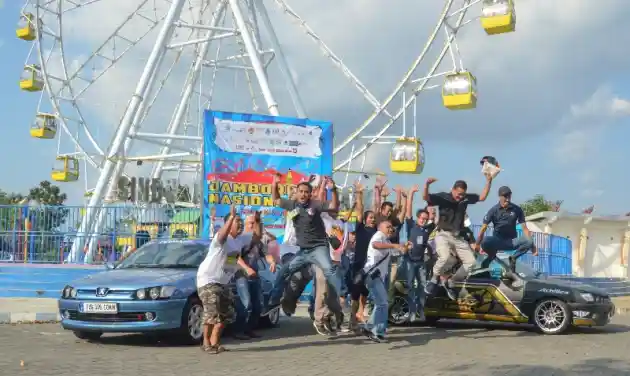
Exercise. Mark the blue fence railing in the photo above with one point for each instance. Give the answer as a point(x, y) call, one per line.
point(554, 253)
point(45, 234)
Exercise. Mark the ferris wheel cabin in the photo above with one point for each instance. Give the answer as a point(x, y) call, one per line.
point(460, 91)
point(44, 127)
point(407, 156)
point(66, 169)
point(31, 79)
point(26, 27)
point(498, 16)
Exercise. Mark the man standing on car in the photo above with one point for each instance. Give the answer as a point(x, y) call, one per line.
point(415, 259)
point(249, 288)
point(310, 234)
point(452, 208)
point(214, 276)
point(505, 216)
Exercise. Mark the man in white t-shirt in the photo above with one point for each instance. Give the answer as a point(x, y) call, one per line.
point(213, 278)
point(376, 271)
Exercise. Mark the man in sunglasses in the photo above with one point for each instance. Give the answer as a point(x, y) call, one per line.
point(505, 216)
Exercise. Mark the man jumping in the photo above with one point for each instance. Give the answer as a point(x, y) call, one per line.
point(311, 236)
point(449, 239)
point(504, 216)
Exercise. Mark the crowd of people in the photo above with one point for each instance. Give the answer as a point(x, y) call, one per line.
point(439, 252)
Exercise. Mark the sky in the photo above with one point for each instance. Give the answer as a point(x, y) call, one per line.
point(554, 97)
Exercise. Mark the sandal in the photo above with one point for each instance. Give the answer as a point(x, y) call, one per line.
point(208, 348)
point(215, 349)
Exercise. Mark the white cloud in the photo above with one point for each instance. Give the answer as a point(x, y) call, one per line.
point(585, 123)
point(528, 77)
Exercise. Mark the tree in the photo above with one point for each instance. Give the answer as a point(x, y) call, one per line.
point(538, 204)
point(43, 207)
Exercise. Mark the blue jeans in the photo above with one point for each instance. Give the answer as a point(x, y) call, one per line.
point(415, 271)
point(318, 256)
point(250, 294)
point(493, 244)
point(378, 320)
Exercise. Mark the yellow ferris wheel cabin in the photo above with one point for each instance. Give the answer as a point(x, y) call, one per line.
point(460, 91)
point(407, 156)
point(44, 127)
point(31, 79)
point(26, 29)
point(498, 16)
point(66, 169)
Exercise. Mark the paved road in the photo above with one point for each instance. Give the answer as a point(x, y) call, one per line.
point(293, 349)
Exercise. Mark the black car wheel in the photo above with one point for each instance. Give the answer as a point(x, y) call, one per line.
point(552, 316)
point(191, 330)
point(271, 320)
point(399, 310)
point(88, 336)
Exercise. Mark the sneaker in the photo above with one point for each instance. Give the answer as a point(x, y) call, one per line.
point(328, 325)
point(430, 288)
point(371, 336)
point(381, 338)
point(450, 292)
point(412, 318)
point(321, 330)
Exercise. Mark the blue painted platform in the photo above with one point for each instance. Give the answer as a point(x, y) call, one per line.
point(39, 281)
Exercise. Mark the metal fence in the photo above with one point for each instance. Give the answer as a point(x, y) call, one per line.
point(44, 234)
point(554, 253)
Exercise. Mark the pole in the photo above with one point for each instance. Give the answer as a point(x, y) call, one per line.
point(123, 129)
point(280, 58)
point(188, 90)
point(254, 57)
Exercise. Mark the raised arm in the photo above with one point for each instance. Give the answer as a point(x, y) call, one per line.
point(379, 184)
point(398, 204)
point(358, 200)
point(400, 213)
point(425, 191)
point(409, 207)
point(224, 232)
point(334, 203)
point(486, 188)
point(275, 193)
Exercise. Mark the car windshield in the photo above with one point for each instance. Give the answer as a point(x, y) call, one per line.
point(172, 254)
point(523, 269)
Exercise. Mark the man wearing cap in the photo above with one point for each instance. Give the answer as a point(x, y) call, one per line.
point(504, 216)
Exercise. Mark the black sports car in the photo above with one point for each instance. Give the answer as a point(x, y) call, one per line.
point(521, 296)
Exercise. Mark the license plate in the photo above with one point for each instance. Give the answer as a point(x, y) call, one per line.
point(100, 308)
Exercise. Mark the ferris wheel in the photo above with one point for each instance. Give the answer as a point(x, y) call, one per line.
point(198, 48)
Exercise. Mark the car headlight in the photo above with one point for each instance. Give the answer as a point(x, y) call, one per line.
point(155, 293)
point(69, 292)
point(588, 297)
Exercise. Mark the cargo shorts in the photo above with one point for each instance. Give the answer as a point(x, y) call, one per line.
point(218, 304)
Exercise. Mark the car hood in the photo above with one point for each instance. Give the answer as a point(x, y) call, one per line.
point(572, 285)
point(134, 278)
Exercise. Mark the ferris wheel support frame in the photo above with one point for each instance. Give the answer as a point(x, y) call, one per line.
point(421, 86)
point(123, 132)
point(159, 49)
point(140, 114)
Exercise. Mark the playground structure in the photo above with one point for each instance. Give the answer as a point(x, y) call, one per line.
point(214, 40)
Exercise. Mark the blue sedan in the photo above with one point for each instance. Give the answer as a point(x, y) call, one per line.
point(152, 291)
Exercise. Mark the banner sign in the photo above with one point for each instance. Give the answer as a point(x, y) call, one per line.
point(242, 153)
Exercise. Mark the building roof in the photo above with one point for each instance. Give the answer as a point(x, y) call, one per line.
point(550, 216)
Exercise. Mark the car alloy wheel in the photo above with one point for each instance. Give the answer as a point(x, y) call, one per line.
point(399, 311)
point(552, 316)
point(194, 322)
point(274, 317)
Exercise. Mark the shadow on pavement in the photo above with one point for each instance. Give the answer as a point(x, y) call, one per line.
point(600, 366)
point(302, 327)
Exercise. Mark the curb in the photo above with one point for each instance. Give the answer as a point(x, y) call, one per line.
point(29, 317)
point(53, 317)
